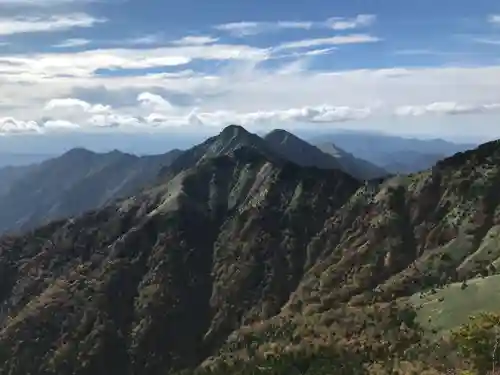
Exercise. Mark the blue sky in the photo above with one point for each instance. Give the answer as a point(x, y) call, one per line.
point(429, 68)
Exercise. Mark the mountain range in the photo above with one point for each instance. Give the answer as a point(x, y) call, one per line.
point(392, 153)
point(81, 180)
point(13, 159)
point(71, 184)
point(236, 255)
point(38, 193)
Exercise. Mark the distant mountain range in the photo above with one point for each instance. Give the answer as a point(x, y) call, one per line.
point(326, 156)
point(19, 159)
point(392, 153)
point(236, 260)
point(75, 182)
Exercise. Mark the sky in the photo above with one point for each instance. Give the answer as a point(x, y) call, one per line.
point(424, 68)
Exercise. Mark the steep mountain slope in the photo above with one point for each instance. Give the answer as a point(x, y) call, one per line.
point(73, 183)
point(160, 280)
point(9, 175)
point(357, 167)
point(242, 254)
point(298, 151)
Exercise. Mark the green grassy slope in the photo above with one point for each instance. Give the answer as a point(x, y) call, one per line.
point(452, 306)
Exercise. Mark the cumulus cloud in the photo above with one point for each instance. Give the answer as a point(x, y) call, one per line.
point(155, 102)
point(244, 93)
point(59, 124)
point(446, 108)
point(245, 28)
point(71, 104)
point(221, 118)
point(69, 114)
point(9, 125)
point(21, 24)
point(317, 114)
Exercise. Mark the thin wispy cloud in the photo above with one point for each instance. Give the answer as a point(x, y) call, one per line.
point(246, 28)
point(149, 39)
point(361, 20)
point(195, 40)
point(86, 63)
point(446, 108)
point(22, 25)
point(412, 52)
point(335, 40)
point(68, 43)
point(494, 19)
point(490, 41)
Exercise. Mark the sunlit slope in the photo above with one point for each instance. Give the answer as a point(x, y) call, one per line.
point(452, 305)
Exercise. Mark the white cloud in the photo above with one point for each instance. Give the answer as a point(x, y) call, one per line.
point(9, 125)
point(59, 124)
point(195, 40)
point(295, 25)
point(143, 40)
point(69, 114)
point(316, 114)
point(361, 20)
point(245, 28)
point(335, 40)
point(21, 25)
point(446, 108)
point(72, 104)
point(241, 91)
point(75, 42)
point(153, 101)
point(221, 118)
point(495, 42)
point(86, 63)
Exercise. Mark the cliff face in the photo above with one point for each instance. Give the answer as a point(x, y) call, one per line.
point(238, 245)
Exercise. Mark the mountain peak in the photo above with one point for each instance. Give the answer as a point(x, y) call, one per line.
point(281, 135)
point(234, 130)
point(79, 151)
